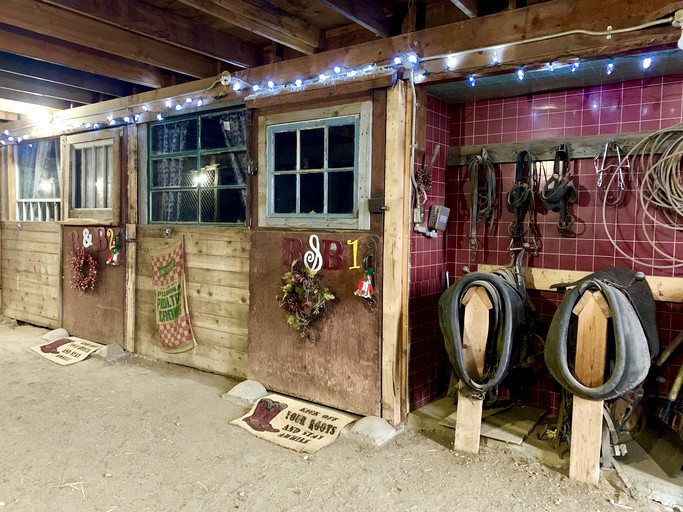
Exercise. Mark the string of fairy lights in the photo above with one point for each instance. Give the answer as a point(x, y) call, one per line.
point(409, 65)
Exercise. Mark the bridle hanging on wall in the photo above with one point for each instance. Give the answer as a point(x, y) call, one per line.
point(483, 194)
point(559, 191)
point(522, 203)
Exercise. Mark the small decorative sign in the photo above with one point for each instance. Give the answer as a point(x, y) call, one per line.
point(67, 351)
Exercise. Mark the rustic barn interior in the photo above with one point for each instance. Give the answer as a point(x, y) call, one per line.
point(127, 126)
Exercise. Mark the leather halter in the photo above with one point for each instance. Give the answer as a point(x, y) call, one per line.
point(483, 194)
point(559, 191)
point(520, 202)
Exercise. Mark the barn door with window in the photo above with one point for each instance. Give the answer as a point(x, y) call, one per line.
point(93, 286)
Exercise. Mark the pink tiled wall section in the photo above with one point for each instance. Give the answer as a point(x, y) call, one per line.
point(627, 107)
point(636, 106)
point(428, 366)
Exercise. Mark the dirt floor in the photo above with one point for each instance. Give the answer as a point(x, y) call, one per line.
point(139, 435)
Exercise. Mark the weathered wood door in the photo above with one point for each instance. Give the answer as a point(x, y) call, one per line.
point(98, 314)
point(341, 367)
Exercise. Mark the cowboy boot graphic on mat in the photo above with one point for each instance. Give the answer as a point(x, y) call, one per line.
point(266, 409)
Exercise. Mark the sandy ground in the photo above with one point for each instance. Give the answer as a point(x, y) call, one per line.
point(139, 435)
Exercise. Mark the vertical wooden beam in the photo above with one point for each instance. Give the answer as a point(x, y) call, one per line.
point(12, 183)
point(130, 234)
point(591, 348)
point(475, 333)
point(395, 250)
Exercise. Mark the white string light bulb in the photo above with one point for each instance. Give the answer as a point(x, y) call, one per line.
point(647, 62)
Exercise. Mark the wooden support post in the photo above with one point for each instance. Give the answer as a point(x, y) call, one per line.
point(591, 348)
point(475, 333)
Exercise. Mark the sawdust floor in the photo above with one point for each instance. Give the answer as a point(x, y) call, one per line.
point(139, 435)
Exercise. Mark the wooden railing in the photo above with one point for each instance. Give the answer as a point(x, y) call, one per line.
point(38, 209)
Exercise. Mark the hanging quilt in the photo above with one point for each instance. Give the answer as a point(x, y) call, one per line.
point(171, 312)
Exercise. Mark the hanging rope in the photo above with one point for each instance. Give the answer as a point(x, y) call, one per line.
point(659, 191)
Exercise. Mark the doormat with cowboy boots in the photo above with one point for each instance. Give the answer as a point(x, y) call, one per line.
point(296, 425)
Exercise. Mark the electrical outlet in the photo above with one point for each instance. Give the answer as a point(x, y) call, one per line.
point(418, 215)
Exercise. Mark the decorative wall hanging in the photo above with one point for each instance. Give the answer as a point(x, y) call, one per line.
point(304, 298)
point(366, 286)
point(114, 248)
point(83, 271)
point(171, 312)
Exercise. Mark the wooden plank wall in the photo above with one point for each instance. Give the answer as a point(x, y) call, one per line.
point(218, 297)
point(31, 272)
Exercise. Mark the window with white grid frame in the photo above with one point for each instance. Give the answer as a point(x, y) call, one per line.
point(318, 169)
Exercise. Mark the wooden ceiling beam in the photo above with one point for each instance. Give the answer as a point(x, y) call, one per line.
point(529, 22)
point(8, 116)
point(367, 13)
point(32, 68)
point(34, 46)
point(164, 25)
point(52, 90)
point(34, 99)
point(468, 7)
point(265, 19)
point(59, 23)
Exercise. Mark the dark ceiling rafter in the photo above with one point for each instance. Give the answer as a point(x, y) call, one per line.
point(52, 90)
point(162, 25)
point(34, 99)
point(59, 23)
point(61, 75)
point(367, 13)
point(48, 49)
point(265, 19)
point(468, 7)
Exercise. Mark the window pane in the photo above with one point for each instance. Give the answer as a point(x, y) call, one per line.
point(225, 169)
point(174, 172)
point(226, 130)
point(312, 148)
point(312, 193)
point(285, 151)
point(174, 137)
point(340, 192)
point(38, 170)
point(342, 140)
point(285, 193)
point(177, 206)
point(223, 205)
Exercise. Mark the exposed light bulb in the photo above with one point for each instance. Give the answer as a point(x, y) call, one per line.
point(188, 100)
point(520, 74)
point(3, 142)
point(322, 77)
point(6, 132)
point(137, 117)
point(647, 62)
point(145, 108)
point(472, 81)
point(271, 84)
point(160, 117)
point(236, 86)
point(575, 66)
point(256, 87)
point(88, 125)
point(298, 82)
point(609, 69)
point(200, 102)
point(451, 61)
point(412, 58)
point(337, 69)
point(10, 138)
point(178, 106)
point(110, 118)
point(494, 59)
point(168, 103)
point(551, 66)
point(352, 73)
point(397, 61)
point(126, 119)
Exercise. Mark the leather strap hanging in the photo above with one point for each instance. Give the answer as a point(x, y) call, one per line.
point(521, 203)
point(483, 195)
point(559, 191)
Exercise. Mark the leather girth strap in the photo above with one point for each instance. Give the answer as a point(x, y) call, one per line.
point(506, 320)
point(483, 195)
point(559, 191)
point(520, 202)
point(633, 338)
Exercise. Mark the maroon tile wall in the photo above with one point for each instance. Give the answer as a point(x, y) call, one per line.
point(641, 105)
point(635, 106)
point(428, 365)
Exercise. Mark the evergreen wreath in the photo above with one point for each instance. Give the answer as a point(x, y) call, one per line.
point(83, 271)
point(304, 298)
